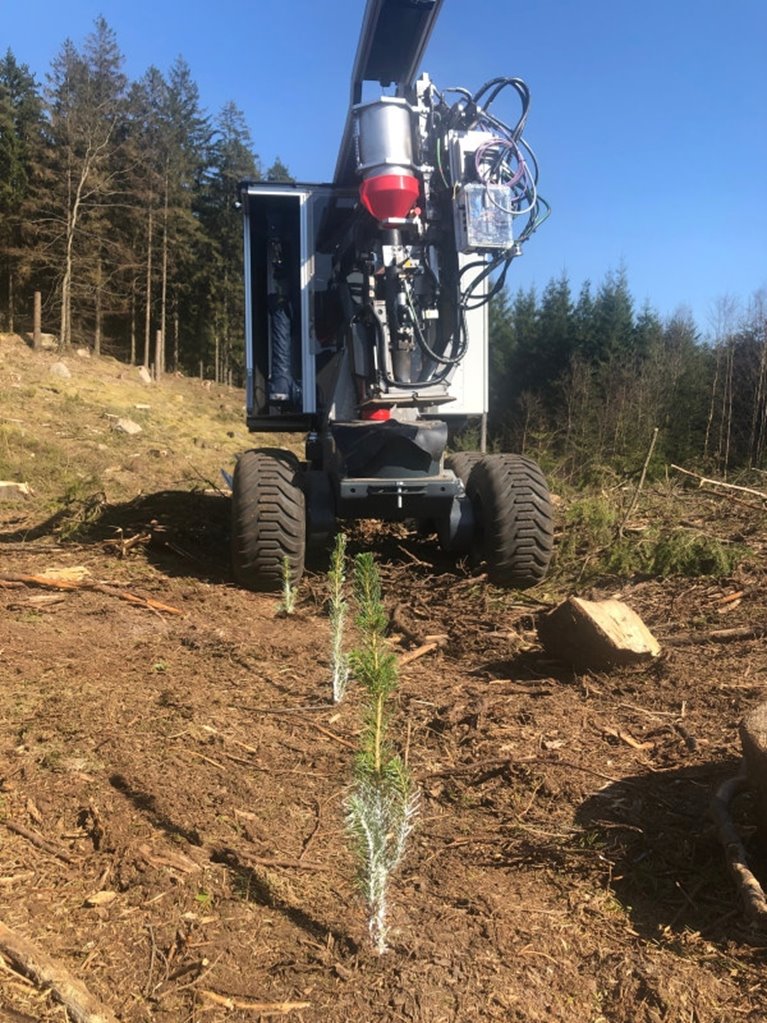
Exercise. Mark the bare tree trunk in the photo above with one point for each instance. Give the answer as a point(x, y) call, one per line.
point(176, 334)
point(99, 308)
point(164, 285)
point(758, 324)
point(11, 301)
point(37, 322)
point(148, 307)
point(216, 359)
point(133, 323)
point(728, 392)
point(73, 219)
point(712, 405)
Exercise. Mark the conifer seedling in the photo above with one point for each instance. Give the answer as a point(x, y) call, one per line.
point(289, 590)
point(338, 611)
point(383, 805)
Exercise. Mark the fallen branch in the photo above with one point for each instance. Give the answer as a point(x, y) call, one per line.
point(421, 651)
point(264, 1008)
point(81, 1005)
point(85, 584)
point(717, 635)
point(323, 731)
point(719, 483)
point(749, 888)
point(38, 840)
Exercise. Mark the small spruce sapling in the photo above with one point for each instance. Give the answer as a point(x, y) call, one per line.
point(338, 610)
point(382, 808)
point(289, 590)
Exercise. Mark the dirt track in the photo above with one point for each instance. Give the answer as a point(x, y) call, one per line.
point(563, 869)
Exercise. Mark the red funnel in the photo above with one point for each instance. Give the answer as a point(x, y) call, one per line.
point(389, 196)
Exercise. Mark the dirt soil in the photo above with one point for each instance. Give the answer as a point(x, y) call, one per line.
point(188, 762)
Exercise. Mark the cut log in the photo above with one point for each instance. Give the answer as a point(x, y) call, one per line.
point(753, 739)
point(596, 634)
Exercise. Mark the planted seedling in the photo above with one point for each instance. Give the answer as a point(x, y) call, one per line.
point(339, 607)
point(383, 805)
point(289, 590)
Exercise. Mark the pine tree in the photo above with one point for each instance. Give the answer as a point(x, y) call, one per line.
point(147, 103)
point(20, 127)
point(278, 172)
point(185, 145)
point(232, 161)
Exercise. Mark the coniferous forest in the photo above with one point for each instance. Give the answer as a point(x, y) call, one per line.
point(117, 204)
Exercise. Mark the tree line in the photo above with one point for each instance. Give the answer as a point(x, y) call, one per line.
point(583, 380)
point(117, 204)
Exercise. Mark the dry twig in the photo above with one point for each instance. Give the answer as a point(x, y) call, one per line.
point(749, 888)
point(38, 840)
point(421, 651)
point(10, 581)
point(719, 483)
point(81, 1005)
point(716, 636)
point(264, 1008)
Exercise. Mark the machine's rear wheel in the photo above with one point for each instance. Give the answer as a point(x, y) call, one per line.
point(453, 529)
point(268, 520)
point(514, 522)
point(462, 462)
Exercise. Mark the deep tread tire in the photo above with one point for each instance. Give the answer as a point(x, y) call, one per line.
point(462, 462)
point(268, 519)
point(515, 521)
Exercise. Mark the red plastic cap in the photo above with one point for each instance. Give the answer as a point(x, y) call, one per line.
point(377, 414)
point(389, 196)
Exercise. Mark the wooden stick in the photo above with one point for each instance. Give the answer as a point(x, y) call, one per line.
point(84, 584)
point(38, 840)
point(413, 655)
point(642, 478)
point(716, 636)
point(265, 1008)
point(719, 483)
point(81, 1005)
point(749, 888)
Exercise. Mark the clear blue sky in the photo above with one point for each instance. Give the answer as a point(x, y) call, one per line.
point(648, 118)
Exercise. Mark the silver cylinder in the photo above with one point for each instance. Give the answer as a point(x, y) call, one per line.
point(384, 137)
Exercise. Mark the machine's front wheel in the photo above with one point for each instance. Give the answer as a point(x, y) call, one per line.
point(514, 521)
point(268, 519)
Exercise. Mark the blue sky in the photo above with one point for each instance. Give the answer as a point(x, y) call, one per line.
point(648, 118)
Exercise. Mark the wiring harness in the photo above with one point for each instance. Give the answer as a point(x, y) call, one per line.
point(504, 159)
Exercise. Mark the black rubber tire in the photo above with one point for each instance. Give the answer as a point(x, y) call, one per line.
point(514, 533)
point(268, 519)
point(462, 462)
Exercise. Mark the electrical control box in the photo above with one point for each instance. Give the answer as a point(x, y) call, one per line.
point(483, 219)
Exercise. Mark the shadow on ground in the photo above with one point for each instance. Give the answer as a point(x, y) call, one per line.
point(666, 863)
point(184, 533)
point(248, 881)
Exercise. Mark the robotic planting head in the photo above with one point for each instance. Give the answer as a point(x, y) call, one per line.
point(448, 195)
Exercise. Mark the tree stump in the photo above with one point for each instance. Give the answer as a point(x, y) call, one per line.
point(596, 634)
